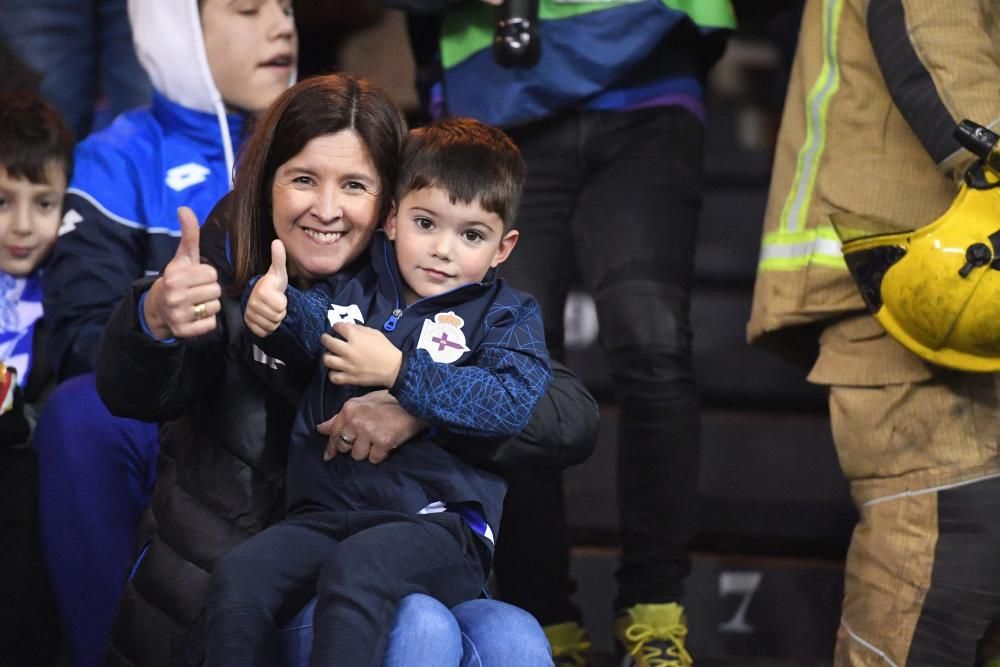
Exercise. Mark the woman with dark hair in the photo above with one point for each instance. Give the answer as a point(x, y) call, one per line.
point(289, 125)
point(175, 353)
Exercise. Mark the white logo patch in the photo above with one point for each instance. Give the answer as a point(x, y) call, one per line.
point(70, 221)
point(349, 313)
point(186, 175)
point(443, 338)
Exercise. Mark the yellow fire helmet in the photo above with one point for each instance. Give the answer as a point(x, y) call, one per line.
point(936, 289)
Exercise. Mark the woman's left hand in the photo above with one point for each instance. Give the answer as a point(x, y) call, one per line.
point(362, 356)
point(369, 427)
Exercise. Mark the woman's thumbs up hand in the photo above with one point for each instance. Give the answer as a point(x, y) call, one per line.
point(183, 302)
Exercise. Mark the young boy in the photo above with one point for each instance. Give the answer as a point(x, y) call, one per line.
point(36, 158)
point(456, 347)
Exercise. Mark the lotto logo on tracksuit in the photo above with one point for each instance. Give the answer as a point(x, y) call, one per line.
point(186, 175)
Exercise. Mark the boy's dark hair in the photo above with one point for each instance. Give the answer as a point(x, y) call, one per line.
point(472, 161)
point(32, 135)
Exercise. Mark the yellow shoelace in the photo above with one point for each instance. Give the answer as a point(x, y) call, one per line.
point(655, 656)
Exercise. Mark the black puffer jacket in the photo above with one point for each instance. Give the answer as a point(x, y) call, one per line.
point(223, 448)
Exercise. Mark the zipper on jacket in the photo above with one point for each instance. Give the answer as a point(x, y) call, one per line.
point(390, 324)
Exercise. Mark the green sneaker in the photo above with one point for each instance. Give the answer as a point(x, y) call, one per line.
point(570, 644)
point(652, 635)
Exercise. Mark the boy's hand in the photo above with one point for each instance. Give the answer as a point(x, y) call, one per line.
point(364, 356)
point(183, 302)
point(268, 305)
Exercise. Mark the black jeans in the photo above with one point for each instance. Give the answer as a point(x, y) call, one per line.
point(613, 198)
point(358, 565)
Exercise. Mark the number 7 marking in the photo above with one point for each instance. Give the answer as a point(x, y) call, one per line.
point(739, 583)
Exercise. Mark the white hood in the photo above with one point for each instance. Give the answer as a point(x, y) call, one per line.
point(171, 48)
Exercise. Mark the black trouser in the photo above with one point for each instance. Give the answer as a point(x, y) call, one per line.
point(964, 594)
point(613, 198)
point(359, 565)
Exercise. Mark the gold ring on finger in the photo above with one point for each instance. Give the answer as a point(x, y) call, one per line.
point(200, 311)
point(347, 439)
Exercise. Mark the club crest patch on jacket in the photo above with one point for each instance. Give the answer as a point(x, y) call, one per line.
point(443, 338)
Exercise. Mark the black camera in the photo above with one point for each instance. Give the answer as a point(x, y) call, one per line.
point(516, 42)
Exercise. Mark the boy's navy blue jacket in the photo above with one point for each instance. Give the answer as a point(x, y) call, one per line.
point(474, 364)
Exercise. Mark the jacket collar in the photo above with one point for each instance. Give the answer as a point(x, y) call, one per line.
point(200, 126)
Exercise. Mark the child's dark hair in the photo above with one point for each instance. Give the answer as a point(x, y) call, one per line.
point(471, 161)
point(32, 136)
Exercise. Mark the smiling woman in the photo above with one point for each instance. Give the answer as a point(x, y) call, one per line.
point(318, 179)
point(324, 205)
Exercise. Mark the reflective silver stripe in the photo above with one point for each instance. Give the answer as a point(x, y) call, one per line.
point(793, 215)
point(868, 645)
point(803, 249)
point(931, 489)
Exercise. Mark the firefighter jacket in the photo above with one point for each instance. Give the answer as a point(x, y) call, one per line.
point(877, 87)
